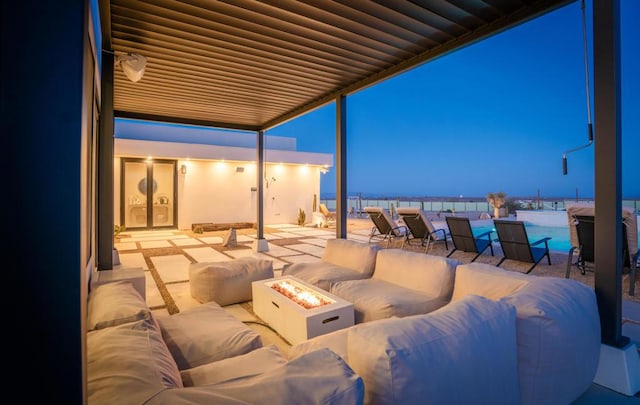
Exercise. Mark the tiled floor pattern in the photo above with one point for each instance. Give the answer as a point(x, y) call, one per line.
point(168, 254)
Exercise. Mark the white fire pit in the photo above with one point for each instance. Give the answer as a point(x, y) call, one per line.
point(298, 310)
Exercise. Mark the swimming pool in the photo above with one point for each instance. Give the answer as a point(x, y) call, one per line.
point(559, 235)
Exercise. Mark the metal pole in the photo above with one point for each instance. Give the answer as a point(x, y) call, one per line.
point(608, 179)
point(341, 167)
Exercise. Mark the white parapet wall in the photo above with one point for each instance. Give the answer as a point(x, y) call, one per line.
point(543, 218)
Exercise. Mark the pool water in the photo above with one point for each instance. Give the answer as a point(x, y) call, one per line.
point(559, 234)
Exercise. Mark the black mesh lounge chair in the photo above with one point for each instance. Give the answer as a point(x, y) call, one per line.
point(584, 227)
point(463, 238)
point(385, 228)
point(421, 230)
point(516, 246)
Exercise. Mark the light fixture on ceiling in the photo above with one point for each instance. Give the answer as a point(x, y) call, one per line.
point(133, 65)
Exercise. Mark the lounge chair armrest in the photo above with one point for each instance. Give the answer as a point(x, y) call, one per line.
point(402, 229)
point(444, 232)
point(540, 241)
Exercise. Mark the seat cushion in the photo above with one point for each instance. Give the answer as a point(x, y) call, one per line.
point(336, 341)
point(253, 363)
point(558, 336)
point(227, 282)
point(427, 274)
point(319, 377)
point(115, 303)
point(353, 255)
point(206, 333)
point(128, 363)
point(322, 274)
point(487, 281)
point(463, 353)
point(376, 299)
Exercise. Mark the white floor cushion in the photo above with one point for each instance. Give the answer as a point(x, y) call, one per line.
point(558, 339)
point(253, 363)
point(375, 299)
point(464, 353)
point(206, 333)
point(227, 282)
point(128, 364)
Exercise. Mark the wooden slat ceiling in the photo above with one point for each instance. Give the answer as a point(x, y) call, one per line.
point(249, 64)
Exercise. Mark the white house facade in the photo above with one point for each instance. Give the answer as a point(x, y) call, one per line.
point(159, 183)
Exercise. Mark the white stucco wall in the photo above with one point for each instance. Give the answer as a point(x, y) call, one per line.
point(215, 192)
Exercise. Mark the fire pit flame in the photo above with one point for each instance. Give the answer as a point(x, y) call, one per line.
point(302, 297)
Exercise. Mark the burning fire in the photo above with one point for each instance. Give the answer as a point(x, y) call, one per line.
point(305, 298)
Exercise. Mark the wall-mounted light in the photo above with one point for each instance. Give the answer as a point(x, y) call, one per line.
point(239, 169)
point(324, 170)
point(183, 169)
point(132, 64)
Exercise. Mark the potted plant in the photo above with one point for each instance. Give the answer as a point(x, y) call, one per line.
point(302, 217)
point(497, 200)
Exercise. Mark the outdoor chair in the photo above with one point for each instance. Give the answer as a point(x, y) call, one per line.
point(385, 228)
point(582, 236)
point(515, 244)
point(328, 215)
point(420, 228)
point(463, 238)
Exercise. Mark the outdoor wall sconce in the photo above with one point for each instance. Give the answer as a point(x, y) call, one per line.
point(183, 169)
point(133, 65)
point(239, 169)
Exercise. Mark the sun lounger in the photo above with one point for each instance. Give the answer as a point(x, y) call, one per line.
point(385, 228)
point(420, 228)
point(515, 244)
point(463, 238)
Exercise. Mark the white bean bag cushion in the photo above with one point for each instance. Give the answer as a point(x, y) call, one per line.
point(342, 259)
point(322, 274)
point(319, 377)
point(487, 281)
point(558, 339)
point(463, 353)
point(375, 299)
point(227, 282)
point(431, 275)
point(357, 256)
point(253, 363)
point(206, 333)
point(403, 283)
point(335, 341)
point(128, 364)
point(115, 303)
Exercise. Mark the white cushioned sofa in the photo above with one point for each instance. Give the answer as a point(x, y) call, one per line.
point(200, 356)
point(504, 338)
point(342, 259)
point(403, 283)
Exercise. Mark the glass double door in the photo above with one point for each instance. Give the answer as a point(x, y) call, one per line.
point(148, 194)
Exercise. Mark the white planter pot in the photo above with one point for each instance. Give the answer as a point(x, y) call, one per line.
point(116, 257)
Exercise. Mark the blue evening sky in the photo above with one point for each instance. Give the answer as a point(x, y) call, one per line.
point(495, 116)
